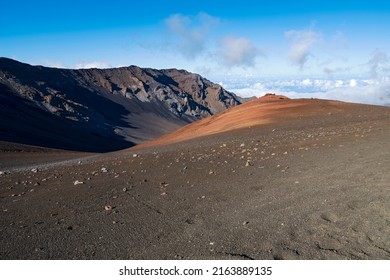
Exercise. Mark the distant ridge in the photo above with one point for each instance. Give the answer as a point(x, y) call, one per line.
point(101, 109)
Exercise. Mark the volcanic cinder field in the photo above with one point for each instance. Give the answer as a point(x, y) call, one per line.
point(274, 178)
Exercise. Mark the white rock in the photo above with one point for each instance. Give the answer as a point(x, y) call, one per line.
point(77, 182)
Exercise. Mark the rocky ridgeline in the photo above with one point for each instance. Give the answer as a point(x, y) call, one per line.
point(181, 92)
point(129, 104)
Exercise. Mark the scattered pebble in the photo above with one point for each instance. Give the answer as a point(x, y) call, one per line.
point(135, 155)
point(108, 208)
point(104, 170)
point(330, 217)
point(77, 182)
point(124, 189)
point(34, 170)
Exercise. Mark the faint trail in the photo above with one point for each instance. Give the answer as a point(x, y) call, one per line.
point(50, 165)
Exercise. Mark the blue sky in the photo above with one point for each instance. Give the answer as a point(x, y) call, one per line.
point(222, 40)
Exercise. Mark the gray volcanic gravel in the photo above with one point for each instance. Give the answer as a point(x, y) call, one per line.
point(311, 188)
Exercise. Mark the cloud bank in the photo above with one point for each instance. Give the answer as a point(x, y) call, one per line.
point(93, 64)
point(367, 91)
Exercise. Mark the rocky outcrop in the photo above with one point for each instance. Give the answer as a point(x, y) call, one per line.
point(101, 109)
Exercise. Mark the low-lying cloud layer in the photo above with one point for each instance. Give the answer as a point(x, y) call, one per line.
point(368, 91)
point(92, 64)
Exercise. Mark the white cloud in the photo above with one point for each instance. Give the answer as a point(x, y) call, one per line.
point(330, 71)
point(307, 82)
point(368, 91)
point(191, 32)
point(302, 43)
point(378, 63)
point(54, 64)
point(353, 83)
point(237, 52)
point(93, 64)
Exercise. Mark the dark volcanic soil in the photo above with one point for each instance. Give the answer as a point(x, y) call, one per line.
point(316, 187)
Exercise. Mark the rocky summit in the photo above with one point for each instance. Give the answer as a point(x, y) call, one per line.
point(101, 109)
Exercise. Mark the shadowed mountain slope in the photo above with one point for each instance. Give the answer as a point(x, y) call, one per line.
point(101, 109)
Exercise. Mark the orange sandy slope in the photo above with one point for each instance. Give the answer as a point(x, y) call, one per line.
point(262, 111)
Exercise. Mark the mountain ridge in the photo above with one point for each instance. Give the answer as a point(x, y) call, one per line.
point(102, 109)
